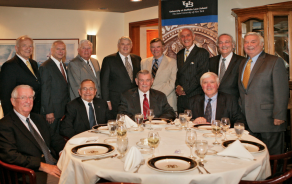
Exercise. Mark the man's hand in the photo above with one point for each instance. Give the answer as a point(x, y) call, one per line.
point(50, 118)
point(200, 120)
point(50, 169)
point(278, 121)
point(180, 91)
point(109, 104)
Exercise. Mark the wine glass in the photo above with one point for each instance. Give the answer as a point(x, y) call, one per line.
point(120, 118)
point(112, 126)
point(139, 120)
point(121, 130)
point(191, 137)
point(183, 119)
point(225, 125)
point(216, 129)
point(188, 115)
point(122, 145)
point(201, 149)
point(153, 141)
point(150, 116)
point(239, 129)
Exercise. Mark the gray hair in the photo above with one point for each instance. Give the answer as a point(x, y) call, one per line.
point(180, 31)
point(21, 38)
point(86, 80)
point(255, 34)
point(226, 34)
point(207, 75)
point(125, 38)
point(144, 72)
point(84, 41)
point(58, 41)
point(14, 93)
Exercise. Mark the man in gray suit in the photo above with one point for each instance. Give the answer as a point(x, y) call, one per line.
point(264, 92)
point(83, 66)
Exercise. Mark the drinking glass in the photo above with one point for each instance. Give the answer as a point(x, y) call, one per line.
point(183, 119)
point(112, 126)
point(225, 125)
point(216, 129)
point(120, 118)
point(188, 115)
point(153, 141)
point(121, 130)
point(191, 137)
point(139, 119)
point(201, 149)
point(239, 129)
point(122, 145)
point(150, 116)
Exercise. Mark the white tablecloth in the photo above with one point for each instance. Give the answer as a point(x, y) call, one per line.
point(225, 170)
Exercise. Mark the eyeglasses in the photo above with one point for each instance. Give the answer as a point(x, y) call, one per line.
point(85, 89)
point(26, 97)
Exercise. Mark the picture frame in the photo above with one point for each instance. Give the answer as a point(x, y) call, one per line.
point(7, 50)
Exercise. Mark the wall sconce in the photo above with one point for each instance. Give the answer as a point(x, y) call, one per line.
point(92, 39)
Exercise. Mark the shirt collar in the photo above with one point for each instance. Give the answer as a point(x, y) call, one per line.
point(141, 94)
point(56, 61)
point(86, 103)
point(191, 48)
point(214, 98)
point(123, 57)
point(255, 58)
point(228, 58)
point(159, 59)
point(21, 117)
point(84, 59)
point(24, 60)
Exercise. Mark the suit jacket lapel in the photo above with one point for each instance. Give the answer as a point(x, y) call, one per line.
point(256, 66)
point(201, 106)
point(25, 68)
point(153, 101)
point(136, 100)
point(220, 107)
point(180, 60)
point(162, 65)
point(229, 68)
point(122, 66)
point(189, 58)
point(86, 66)
point(83, 113)
point(217, 64)
point(57, 71)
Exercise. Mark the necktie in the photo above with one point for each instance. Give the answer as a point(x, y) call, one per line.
point(91, 116)
point(89, 66)
point(145, 106)
point(186, 54)
point(154, 68)
point(222, 69)
point(129, 68)
point(62, 71)
point(246, 74)
point(29, 67)
point(208, 111)
point(48, 157)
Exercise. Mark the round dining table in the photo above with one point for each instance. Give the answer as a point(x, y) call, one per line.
point(224, 170)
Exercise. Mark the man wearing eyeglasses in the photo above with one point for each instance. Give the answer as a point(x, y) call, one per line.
point(25, 139)
point(84, 112)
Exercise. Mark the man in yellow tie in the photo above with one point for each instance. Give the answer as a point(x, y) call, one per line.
point(20, 70)
point(264, 93)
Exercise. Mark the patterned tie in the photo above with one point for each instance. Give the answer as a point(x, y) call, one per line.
point(186, 54)
point(145, 106)
point(29, 67)
point(91, 116)
point(154, 68)
point(222, 69)
point(208, 111)
point(48, 157)
point(129, 68)
point(62, 71)
point(246, 74)
point(89, 66)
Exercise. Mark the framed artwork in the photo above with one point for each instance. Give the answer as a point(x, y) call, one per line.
point(7, 50)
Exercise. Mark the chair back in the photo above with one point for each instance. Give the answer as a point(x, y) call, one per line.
point(280, 159)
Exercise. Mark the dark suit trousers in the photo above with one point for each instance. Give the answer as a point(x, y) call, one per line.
point(182, 103)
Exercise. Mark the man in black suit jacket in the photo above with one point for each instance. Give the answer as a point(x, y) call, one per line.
point(16, 71)
point(55, 91)
point(117, 75)
point(77, 116)
point(192, 63)
point(18, 144)
point(222, 104)
point(132, 100)
point(226, 65)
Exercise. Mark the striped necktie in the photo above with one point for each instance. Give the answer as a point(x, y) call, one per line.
point(208, 111)
point(154, 68)
point(145, 106)
point(186, 54)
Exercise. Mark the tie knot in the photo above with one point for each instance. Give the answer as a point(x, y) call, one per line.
point(155, 60)
point(126, 58)
point(250, 60)
point(27, 120)
point(224, 59)
point(209, 100)
point(145, 96)
point(187, 51)
point(90, 104)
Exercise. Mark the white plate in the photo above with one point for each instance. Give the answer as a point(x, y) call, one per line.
point(103, 128)
point(211, 135)
point(110, 140)
point(205, 127)
point(142, 144)
point(93, 149)
point(135, 129)
point(231, 131)
point(156, 123)
point(173, 128)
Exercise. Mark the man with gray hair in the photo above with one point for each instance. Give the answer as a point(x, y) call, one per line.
point(118, 72)
point(264, 93)
point(20, 70)
point(83, 66)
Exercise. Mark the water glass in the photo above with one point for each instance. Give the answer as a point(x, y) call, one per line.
point(121, 130)
point(112, 126)
point(153, 141)
point(191, 137)
point(122, 146)
point(216, 128)
point(139, 119)
point(239, 129)
point(150, 116)
point(201, 149)
point(225, 125)
point(183, 119)
point(120, 118)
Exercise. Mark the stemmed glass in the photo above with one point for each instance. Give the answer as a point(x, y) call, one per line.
point(201, 149)
point(188, 115)
point(225, 125)
point(191, 137)
point(122, 145)
point(239, 129)
point(139, 120)
point(112, 126)
point(150, 116)
point(216, 129)
point(183, 119)
point(120, 118)
point(121, 130)
point(153, 141)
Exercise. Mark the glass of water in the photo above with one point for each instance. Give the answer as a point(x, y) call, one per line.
point(120, 118)
point(183, 119)
point(239, 129)
point(225, 125)
point(201, 149)
point(112, 126)
point(153, 141)
point(139, 119)
point(216, 129)
point(150, 116)
point(122, 145)
point(191, 137)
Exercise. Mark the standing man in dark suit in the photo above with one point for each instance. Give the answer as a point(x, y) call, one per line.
point(264, 92)
point(55, 91)
point(118, 72)
point(226, 65)
point(192, 63)
point(84, 112)
point(20, 70)
point(83, 66)
point(139, 100)
point(25, 139)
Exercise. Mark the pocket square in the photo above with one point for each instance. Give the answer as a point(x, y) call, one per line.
point(192, 63)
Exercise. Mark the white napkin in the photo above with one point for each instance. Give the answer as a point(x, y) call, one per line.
point(129, 122)
point(236, 149)
point(133, 158)
point(77, 141)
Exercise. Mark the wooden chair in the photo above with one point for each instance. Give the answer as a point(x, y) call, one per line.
point(10, 174)
point(65, 138)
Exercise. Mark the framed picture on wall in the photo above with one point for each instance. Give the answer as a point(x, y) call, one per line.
point(7, 50)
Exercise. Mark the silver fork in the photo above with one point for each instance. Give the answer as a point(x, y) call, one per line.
point(202, 165)
point(141, 163)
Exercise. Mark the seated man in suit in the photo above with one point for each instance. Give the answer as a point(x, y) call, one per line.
point(25, 138)
point(84, 112)
point(214, 105)
point(136, 100)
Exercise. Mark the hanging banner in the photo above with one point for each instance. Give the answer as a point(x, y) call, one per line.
point(199, 15)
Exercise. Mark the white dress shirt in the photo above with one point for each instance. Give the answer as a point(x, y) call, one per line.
point(58, 65)
point(141, 95)
point(190, 50)
point(227, 61)
point(87, 109)
point(129, 59)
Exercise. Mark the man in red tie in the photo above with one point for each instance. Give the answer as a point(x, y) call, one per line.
point(139, 100)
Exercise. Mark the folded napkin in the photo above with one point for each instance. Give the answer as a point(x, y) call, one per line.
point(236, 149)
point(133, 158)
point(77, 141)
point(129, 122)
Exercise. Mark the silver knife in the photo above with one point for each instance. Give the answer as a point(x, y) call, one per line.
point(100, 158)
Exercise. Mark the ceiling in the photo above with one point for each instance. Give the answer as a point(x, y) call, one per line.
point(92, 5)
